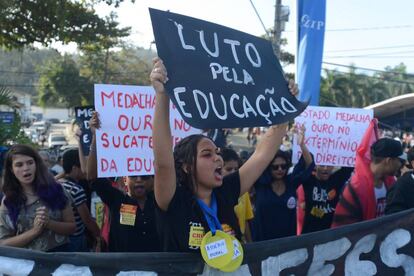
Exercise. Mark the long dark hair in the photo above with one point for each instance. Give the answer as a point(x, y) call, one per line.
point(44, 184)
point(185, 155)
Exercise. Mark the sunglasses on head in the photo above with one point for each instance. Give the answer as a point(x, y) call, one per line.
point(281, 166)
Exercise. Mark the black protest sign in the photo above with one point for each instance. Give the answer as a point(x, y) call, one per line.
point(83, 114)
point(382, 246)
point(220, 77)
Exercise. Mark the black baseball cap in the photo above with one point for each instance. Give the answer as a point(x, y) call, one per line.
point(387, 147)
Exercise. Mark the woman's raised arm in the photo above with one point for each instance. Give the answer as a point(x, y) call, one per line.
point(264, 153)
point(164, 177)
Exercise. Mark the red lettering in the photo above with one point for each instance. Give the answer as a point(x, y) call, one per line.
point(148, 100)
point(147, 165)
point(125, 139)
point(176, 140)
point(181, 125)
point(128, 100)
point(114, 142)
point(119, 97)
point(104, 138)
point(110, 96)
point(134, 142)
point(138, 123)
point(105, 165)
point(153, 102)
point(123, 122)
point(328, 158)
point(148, 119)
point(113, 166)
point(138, 165)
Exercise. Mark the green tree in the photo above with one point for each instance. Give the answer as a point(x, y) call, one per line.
point(25, 22)
point(60, 83)
point(11, 133)
point(18, 68)
point(6, 98)
point(352, 89)
point(97, 55)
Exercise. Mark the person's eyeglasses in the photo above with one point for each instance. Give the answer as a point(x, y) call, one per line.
point(281, 166)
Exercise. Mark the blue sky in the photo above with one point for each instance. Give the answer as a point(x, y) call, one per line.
point(367, 33)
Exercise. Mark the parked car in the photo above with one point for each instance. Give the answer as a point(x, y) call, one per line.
point(32, 134)
point(57, 140)
point(54, 121)
point(41, 126)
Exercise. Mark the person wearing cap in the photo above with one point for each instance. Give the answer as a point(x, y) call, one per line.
point(401, 195)
point(364, 198)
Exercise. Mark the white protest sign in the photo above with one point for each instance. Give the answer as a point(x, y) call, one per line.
point(124, 142)
point(333, 134)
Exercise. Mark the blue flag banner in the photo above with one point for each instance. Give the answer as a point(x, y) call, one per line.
point(311, 32)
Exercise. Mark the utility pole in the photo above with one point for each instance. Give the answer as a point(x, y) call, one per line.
point(281, 17)
point(277, 30)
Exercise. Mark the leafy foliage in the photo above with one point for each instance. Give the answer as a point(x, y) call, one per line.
point(7, 99)
point(352, 89)
point(60, 83)
point(18, 68)
point(44, 21)
point(11, 133)
point(97, 55)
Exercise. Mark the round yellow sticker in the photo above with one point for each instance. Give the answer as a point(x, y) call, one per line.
point(218, 250)
point(237, 259)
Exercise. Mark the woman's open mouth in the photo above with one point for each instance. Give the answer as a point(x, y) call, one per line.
point(218, 173)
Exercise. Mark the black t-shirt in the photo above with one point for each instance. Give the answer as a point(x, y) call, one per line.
point(132, 229)
point(400, 197)
point(321, 198)
point(184, 216)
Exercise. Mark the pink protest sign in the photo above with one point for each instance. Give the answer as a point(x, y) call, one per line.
point(124, 142)
point(333, 134)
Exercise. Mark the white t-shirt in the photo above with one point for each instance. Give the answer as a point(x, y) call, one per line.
point(381, 198)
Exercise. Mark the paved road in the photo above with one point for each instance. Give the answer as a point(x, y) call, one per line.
point(238, 140)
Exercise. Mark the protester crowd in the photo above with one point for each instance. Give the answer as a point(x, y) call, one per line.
point(196, 187)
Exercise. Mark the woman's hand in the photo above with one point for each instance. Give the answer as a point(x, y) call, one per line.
point(300, 130)
point(293, 88)
point(41, 220)
point(158, 75)
point(94, 122)
point(77, 135)
point(38, 226)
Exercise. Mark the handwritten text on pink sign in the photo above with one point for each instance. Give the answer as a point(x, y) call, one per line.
point(333, 134)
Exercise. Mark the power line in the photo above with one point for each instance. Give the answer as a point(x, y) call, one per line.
point(371, 28)
point(260, 19)
point(68, 74)
point(379, 53)
point(374, 48)
point(367, 28)
point(369, 69)
point(367, 56)
point(373, 77)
